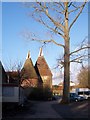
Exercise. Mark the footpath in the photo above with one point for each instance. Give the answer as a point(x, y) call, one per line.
point(50, 109)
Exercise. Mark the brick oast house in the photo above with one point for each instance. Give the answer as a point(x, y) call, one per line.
point(43, 71)
point(29, 76)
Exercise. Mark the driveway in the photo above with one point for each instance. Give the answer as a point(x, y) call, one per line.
point(50, 109)
point(40, 109)
point(44, 110)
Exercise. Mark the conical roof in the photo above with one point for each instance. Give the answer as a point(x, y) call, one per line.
point(28, 70)
point(41, 66)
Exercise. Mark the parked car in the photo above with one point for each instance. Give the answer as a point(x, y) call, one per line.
point(85, 94)
point(75, 97)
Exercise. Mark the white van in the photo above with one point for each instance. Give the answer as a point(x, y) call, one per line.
point(85, 94)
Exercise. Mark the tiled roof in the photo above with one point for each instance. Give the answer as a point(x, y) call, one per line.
point(42, 67)
point(28, 71)
point(3, 73)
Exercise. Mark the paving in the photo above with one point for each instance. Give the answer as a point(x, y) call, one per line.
point(44, 110)
point(50, 109)
point(74, 110)
point(40, 109)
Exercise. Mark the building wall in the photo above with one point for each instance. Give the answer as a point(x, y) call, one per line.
point(22, 95)
point(10, 94)
point(47, 81)
point(27, 91)
point(57, 90)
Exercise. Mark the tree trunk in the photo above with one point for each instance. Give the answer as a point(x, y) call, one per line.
point(66, 84)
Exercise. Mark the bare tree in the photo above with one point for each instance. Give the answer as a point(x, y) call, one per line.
point(79, 55)
point(83, 77)
point(13, 66)
point(55, 16)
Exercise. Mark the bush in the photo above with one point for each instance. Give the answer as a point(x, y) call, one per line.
point(47, 94)
point(36, 94)
point(40, 94)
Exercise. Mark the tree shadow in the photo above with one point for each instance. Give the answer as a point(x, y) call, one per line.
point(15, 111)
point(73, 110)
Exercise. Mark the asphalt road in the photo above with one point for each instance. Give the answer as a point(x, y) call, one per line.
point(49, 109)
point(75, 110)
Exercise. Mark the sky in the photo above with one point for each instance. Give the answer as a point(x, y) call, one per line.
point(16, 20)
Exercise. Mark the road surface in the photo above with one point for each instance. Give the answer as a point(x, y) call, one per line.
point(50, 109)
point(40, 109)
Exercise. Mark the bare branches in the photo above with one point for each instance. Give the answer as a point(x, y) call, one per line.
point(48, 41)
point(79, 55)
point(33, 37)
point(83, 46)
point(43, 14)
point(79, 49)
point(50, 28)
point(81, 8)
point(83, 77)
point(50, 23)
point(45, 10)
point(60, 62)
point(52, 16)
point(75, 8)
point(69, 4)
point(13, 66)
point(78, 59)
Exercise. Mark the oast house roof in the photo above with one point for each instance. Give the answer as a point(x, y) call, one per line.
point(42, 67)
point(28, 70)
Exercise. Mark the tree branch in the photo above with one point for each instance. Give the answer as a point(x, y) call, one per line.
point(76, 8)
point(48, 41)
point(60, 5)
point(57, 24)
point(77, 15)
point(77, 59)
point(58, 8)
point(86, 47)
point(54, 30)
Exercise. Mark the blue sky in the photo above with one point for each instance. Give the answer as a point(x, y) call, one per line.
point(15, 20)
